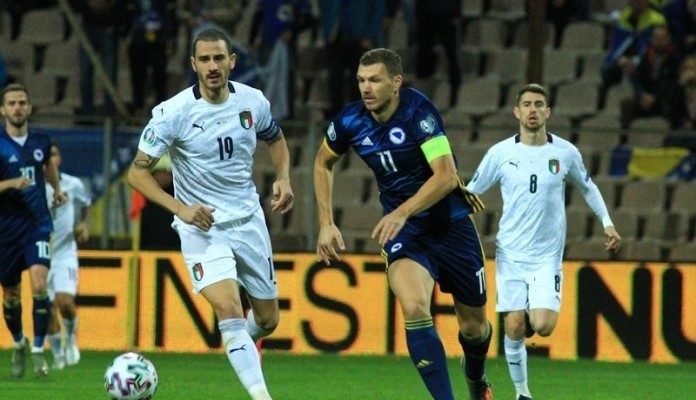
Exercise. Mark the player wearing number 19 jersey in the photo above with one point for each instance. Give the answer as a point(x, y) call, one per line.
point(531, 168)
point(426, 231)
point(210, 131)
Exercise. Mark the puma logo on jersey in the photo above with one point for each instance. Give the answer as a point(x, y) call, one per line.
point(514, 163)
point(194, 125)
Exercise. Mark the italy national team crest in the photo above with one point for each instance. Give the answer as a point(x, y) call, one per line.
point(197, 272)
point(554, 166)
point(246, 119)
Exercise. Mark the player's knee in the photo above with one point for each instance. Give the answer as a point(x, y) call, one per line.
point(414, 310)
point(543, 328)
point(267, 321)
point(11, 298)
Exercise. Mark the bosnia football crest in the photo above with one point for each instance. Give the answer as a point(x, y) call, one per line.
point(554, 166)
point(246, 119)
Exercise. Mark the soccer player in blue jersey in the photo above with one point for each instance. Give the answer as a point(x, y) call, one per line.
point(25, 223)
point(426, 233)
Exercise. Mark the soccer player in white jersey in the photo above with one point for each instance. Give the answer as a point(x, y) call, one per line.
point(210, 131)
point(68, 229)
point(531, 168)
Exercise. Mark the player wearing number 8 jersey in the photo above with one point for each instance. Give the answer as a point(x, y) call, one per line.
point(531, 168)
point(210, 131)
point(426, 232)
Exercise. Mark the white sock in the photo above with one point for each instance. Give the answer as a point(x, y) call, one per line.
point(56, 346)
point(256, 332)
point(241, 351)
point(516, 355)
point(70, 326)
point(20, 344)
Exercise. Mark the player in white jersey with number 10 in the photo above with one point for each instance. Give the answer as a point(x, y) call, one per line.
point(68, 229)
point(210, 131)
point(531, 168)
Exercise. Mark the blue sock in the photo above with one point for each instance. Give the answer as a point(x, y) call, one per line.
point(13, 319)
point(428, 355)
point(42, 313)
point(475, 354)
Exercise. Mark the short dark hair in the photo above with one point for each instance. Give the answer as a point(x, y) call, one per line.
point(388, 57)
point(13, 87)
point(531, 88)
point(212, 35)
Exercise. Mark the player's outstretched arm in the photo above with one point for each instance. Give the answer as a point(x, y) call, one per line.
point(323, 191)
point(19, 183)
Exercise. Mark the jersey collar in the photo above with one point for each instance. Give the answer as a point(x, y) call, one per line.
point(197, 89)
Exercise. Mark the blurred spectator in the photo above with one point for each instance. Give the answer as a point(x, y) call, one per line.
point(655, 80)
point(349, 27)
point(103, 21)
point(683, 114)
point(628, 40)
point(681, 18)
point(439, 21)
point(152, 42)
point(279, 22)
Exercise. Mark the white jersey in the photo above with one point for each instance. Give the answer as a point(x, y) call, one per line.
point(64, 217)
point(211, 147)
point(532, 181)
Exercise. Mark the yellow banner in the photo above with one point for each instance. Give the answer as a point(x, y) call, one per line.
point(611, 311)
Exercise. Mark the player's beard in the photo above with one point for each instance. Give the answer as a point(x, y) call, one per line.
point(18, 122)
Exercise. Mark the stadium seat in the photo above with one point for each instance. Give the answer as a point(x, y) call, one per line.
point(683, 197)
point(683, 253)
point(42, 89)
point(520, 36)
point(576, 100)
point(653, 139)
point(508, 66)
point(288, 242)
point(607, 187)
point(62, 58)
point(351, 187)
point(5, 26)
point(625, 221)
point(560, 67)
point(42, 26)
point(576, 223)
point(398, 34)
point(615, 95)
point(472, 8)
point(485, 34)
point(662, 227)
point(509, 10)
point(479, 97)
point(584, 37)
point(468, 157)
point(634, 250)
point(591, 70)
point(361, 217)
point(592, 249)
point(644, 196)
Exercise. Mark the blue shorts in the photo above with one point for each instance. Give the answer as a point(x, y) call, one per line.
point(19, 255)
point(453, 256)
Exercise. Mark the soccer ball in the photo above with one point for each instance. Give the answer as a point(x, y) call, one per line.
point(130, 377)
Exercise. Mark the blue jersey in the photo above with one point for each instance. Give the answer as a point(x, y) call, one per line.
point(393, 151)
point(24, 212)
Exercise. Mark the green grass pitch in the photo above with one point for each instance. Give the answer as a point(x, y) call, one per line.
point(327, 377)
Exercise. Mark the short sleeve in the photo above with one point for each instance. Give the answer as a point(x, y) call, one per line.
point(268, 128)
point(337, 137)
point(427, 123)
point(159, 133)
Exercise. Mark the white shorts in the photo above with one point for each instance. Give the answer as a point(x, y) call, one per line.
point(525, 286)
point(63, 276)
point(239, 250)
